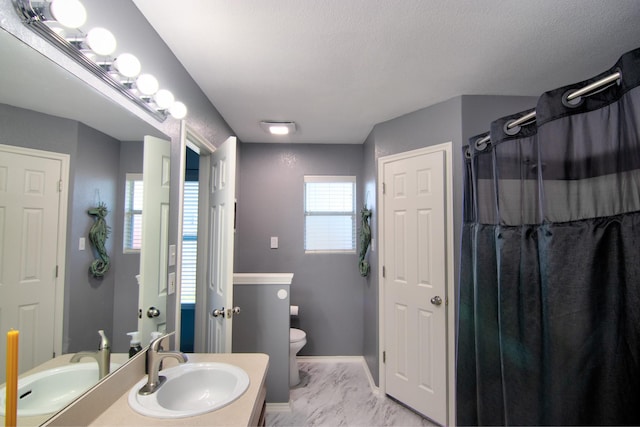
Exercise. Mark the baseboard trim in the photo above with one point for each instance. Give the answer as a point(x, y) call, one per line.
point(279, 407)
point(345, 359)
point(331, 359)
point(374, 388)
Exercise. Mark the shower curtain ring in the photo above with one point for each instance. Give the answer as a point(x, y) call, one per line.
point(482, 143)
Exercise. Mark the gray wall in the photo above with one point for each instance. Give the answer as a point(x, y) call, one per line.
point(327, 287)
point(263, 327)
point(453, 120)
point(89, 300)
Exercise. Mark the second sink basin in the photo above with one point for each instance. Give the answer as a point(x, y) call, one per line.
point(191, 389)
point(49, 391)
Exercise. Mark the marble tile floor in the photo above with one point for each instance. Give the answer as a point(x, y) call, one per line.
point(338, 394)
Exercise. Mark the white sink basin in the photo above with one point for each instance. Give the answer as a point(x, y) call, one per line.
point(49, 391)
point(191, 389)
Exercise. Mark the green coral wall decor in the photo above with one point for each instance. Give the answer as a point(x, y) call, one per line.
point(365, 240)
point(98, 236)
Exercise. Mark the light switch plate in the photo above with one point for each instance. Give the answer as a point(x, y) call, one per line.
point(172, 255)
point(81, 244)
point(171, 283)
point(274, 243)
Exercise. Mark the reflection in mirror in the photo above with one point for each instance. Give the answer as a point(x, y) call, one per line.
point(89, 144)
point(154, 259)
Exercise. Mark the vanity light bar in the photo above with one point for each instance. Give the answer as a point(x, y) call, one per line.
point(34, 19)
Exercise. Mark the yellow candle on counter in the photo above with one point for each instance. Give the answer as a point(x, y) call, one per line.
point(11, 405)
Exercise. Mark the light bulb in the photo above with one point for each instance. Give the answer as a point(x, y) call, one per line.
point(163, 99)
point(70, 13)
point(147, 84)
point(178, 110)
point(127, 65)
point(278, 130)
point(101, 41)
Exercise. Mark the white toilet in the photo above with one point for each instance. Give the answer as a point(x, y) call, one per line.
point(297, 340)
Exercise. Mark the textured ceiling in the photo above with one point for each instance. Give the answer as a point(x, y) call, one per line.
point(338, 67)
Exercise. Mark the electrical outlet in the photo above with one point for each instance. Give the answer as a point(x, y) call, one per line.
point(171, 283)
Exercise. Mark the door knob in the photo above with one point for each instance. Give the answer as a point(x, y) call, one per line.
point(436, 300)
point(232, 311)
point(218, 312)
point(153, 312)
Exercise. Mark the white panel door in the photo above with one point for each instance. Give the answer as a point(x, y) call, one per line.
point(155, 237)
point(29, 214)
point(221, 211)
point(415, 283)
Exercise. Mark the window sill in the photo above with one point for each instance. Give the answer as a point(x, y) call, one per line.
point(330, 252)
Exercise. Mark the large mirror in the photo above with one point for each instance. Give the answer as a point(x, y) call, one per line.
point(95, 145)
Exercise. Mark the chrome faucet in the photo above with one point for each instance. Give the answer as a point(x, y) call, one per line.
point(155, 355)
point(102, 356)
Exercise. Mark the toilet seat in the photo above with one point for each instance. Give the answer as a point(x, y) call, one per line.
point(296, 335)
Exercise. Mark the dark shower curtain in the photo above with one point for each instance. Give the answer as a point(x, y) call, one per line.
point(549, 296)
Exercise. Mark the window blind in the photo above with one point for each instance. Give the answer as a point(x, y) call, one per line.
point(189, 242)
point(330, 217)
point(132, 238)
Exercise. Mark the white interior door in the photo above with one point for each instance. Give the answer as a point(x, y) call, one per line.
point(220, 211)
point(415, 274)
point(30, 215)
point(155, 237)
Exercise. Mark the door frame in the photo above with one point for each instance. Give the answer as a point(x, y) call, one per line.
point(189, 138)
point(450, 305)
point(61, 255)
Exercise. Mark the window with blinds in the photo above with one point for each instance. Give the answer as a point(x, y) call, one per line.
point(189, 242)
point(132, 241)
point(330, 214)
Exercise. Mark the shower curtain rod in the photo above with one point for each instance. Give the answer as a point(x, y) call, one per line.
point(531, 117)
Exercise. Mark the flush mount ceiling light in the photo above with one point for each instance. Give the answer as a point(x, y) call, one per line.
point(96, 52)
point(278, 128)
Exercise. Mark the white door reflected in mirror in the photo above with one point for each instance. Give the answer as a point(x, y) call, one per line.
point(154, 254)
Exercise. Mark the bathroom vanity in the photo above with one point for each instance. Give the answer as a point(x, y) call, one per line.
point(107, 403)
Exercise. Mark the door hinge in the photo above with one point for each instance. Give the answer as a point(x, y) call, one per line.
point(60, 186)
point(384, 357)
point(384, 188)
point(56, 271)
point(384, 271)
point(54, 355)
